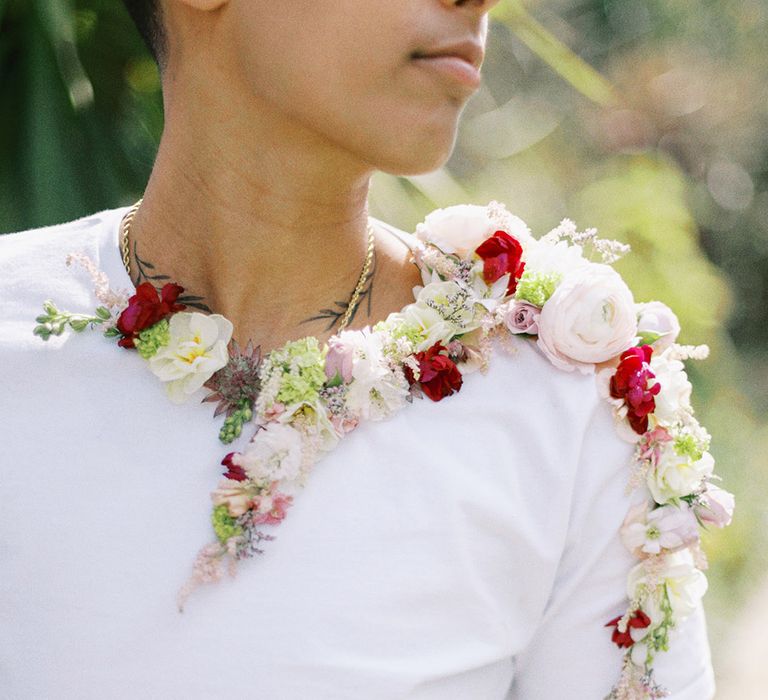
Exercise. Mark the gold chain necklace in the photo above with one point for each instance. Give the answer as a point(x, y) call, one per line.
point(125, 227)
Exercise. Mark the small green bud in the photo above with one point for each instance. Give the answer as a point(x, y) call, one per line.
point(50, 308)
point(104, 313)
point(78, 324)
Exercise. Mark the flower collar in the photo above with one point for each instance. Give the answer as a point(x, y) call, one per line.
point(485, 277)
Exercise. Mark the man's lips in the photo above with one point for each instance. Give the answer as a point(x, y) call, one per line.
point(452, 67)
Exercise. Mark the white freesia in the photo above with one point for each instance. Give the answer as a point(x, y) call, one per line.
point(488, 295)
point(685, 584)
point(455, 304)
point(657, 317)
point(197, 348)
point(459, 229)
point(673, 401)
point(274, 453)
point(676, 475)
point(425, 322)
point(590, 318)
point(376, 390)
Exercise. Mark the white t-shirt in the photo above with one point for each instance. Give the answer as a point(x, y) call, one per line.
point(465, 549)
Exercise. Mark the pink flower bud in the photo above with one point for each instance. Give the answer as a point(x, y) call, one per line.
point(716, 506)
point(657, 317)
point(339, 359)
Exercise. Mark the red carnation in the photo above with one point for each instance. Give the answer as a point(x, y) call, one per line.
point(501, 254)
point(146, 308)
point(630, 383)
point(439, 377)
point(638, 620)
point(234, 471)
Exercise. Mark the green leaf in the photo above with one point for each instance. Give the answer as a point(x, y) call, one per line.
point(572, 68)
point(648, 337)
point(336, 381)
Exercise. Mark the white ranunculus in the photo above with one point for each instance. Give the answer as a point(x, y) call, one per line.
point(657, 317)
point(197, 348)
point(674, 398)
point(459, 229)
point(590, 318)
point(274, 453)
point(676, 475)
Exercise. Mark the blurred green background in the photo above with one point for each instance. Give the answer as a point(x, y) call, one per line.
point(646, 119)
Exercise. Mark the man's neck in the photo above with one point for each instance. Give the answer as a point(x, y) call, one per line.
point(268, 226)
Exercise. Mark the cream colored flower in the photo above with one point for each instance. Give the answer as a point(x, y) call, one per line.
point(677, 475)
point(197, 348)
point(459, 229)
point(673, 401)
point(685, 585)
point(275, 453)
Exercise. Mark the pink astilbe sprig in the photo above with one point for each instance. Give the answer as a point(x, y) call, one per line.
point(209, 567)
point(111, 298)
point(635, 683)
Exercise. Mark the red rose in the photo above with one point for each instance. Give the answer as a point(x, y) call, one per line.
point(630, 383)
point(439, 376)
point(235, 472)
point(146, 308)
point(638, 620)
point(501, 254)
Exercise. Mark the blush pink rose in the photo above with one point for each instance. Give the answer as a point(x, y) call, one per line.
point(522, 317)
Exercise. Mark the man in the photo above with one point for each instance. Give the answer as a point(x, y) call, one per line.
point(466, 549)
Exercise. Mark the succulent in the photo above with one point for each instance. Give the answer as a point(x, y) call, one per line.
point(237, 384)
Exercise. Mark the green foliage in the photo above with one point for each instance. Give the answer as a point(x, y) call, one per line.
point(67, 148)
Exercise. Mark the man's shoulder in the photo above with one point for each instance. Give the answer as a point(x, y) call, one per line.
point(36, 245)
point(34, 263)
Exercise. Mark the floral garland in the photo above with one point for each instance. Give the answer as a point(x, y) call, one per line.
point(484, 277)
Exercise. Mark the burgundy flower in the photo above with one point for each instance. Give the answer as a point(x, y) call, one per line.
point(638, 620)
point(146, 308)
point(439, 376)
point(234, 471)
point(630, 383)
point(501, 254)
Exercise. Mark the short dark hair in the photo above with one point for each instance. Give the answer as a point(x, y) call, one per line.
point(147, 15)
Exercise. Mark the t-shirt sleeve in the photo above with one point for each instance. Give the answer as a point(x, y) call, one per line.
point(571, 654)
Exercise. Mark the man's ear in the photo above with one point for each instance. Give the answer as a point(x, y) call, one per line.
point(204, 5)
